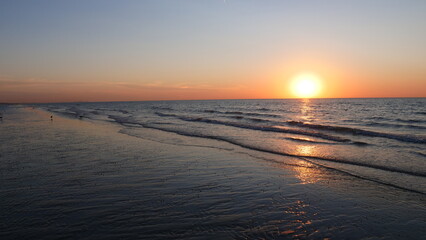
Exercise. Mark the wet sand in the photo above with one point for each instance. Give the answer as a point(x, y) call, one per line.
point(80, 179)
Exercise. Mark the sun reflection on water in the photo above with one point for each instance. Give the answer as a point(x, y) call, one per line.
point(303, 150)
point(305, 110)
point(301, 211)
point(307, 172)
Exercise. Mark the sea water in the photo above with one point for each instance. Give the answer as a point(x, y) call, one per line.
point(228, 169)
point(381, 140)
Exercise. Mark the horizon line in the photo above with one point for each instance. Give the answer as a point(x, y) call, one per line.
point(218, 99)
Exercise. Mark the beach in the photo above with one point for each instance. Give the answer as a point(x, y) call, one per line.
point(213, 120)
point(83, 178)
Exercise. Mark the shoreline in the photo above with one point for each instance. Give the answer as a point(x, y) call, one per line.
point(218, 189)
point(306, 160)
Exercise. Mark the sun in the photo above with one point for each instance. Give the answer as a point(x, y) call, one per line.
point(306, 85)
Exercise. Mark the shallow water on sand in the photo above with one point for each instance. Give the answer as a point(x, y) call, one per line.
point(382, 140)
point(87, 179)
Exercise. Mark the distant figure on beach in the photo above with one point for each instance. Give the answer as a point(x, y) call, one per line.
point(51, 118)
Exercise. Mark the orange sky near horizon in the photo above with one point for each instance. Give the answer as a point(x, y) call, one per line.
point(267, 87)
point(266, 82)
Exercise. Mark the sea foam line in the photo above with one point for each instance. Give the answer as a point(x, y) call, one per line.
point(357, 131)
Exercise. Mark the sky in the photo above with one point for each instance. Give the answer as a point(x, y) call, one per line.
point(103, 50)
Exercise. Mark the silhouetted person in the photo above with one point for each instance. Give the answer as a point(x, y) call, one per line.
point(51, 118)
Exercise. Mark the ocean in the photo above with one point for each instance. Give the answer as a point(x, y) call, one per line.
point(382, 140)
point(216, 169)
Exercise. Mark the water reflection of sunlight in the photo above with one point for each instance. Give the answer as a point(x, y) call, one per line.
point(305, 110)
point(298, 210)
point(307, 173)
point(303, 150)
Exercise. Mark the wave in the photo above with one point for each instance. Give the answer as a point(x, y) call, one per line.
point(357, 143)
point(102, 109)
point(78, 112)
point(419, 153)
point(278, 129)
point(93, 114)
point(237, 117)
point(258, 120)
point(373, 127)
point(166, 114)
point(162, 108)
point(123, 111)
point(211, 111)
point(243, 113)
point(125, 121)
point(357, 131)
point(233, 112)
point(390, 125)
point(64, 113)
point(367, 178)
point(378, 118)
point(254, 114)
point(69, 112)
point(306, 140)
point(249, 119)
point(128, 121)
point(410, 120)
